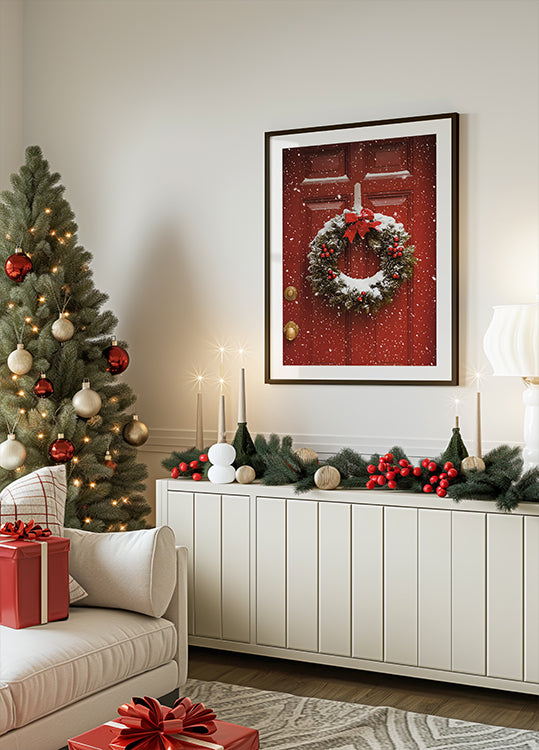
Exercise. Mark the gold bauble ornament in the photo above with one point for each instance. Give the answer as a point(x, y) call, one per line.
point(86, 402)
point(245, 474)
point(20, 361)
point(135, 432)
point(472, 463)
point(327, 478)
point(307, 455)
point(63, 329)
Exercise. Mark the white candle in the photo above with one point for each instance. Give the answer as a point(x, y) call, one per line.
point(221, 429)
point(242, 412)
point(479, 454)
point(199, 438)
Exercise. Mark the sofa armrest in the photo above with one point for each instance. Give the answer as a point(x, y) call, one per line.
point(177, 613)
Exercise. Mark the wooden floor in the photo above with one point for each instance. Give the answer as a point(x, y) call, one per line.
point(423, 696)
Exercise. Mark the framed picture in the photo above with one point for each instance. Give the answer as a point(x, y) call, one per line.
point(361, 253)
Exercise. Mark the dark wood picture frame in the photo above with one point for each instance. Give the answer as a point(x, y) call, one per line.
point(318, 146)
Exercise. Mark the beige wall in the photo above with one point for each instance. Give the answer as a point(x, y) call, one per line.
point(154, 114)
point(11, 63)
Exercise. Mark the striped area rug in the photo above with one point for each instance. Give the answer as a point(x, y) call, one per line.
point(288, 721)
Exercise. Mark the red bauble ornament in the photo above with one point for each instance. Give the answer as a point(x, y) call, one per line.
point(183, 466)
point(17, 266)
point(197, 477)
point(61, 450)
point(432, 466)
point(203, 458)
point(427, 488)
point(43, 387)
point(175, 473)
point(117, 358)
point(109, 463)
point(193, 464)
point(416, 471)
point(441, 492)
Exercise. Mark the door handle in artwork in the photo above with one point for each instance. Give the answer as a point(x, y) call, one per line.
point(291, 330)
point(290, 293)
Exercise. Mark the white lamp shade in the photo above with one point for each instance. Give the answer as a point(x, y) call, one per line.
point(512, 340)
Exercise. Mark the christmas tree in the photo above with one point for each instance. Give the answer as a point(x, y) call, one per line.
point(60, 398)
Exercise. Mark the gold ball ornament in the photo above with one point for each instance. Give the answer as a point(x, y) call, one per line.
point(86, 402)
point(327, 478)
point(472, 463)
point(245, 474)
point(135, 432)
point(63, 329)
point(20, 361)
point(307, 455)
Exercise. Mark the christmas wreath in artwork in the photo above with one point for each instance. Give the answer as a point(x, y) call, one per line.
point(385, 237)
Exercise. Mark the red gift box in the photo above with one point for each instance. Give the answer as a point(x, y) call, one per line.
point(34, 580)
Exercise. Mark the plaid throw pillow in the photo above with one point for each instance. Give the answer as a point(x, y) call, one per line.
point(41, 496)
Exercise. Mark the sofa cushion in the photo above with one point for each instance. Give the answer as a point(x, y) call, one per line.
point(7, 709)
point(53, 665)
point(133, 570)
point(41, 496)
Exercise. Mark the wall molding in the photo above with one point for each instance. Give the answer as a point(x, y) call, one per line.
point(164, 440)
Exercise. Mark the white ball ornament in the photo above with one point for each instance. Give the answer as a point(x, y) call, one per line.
point(63, 329)
point(222, 454)
point(86, 402)
point(221, 474)
point(245, 474)
point(20, 361)
point(12, 453)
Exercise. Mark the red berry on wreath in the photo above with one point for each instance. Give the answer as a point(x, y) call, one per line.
point(371, 468)
point(425, 462)
point(371, 484)
point(381, 480)
point(399, 255)
point(392, 485)
point(432, 466)
point(203, 457)
point(452, 473)
point(389, 457)
point(193, 464)
point(416, 471)
point(448, 466)
point(441, 492)
point(175, 473)
point(427, 488)
point(403, 462)
point(405, 471)
point(443, 475)
point(183, 466)
point(444, 484)
point(396, 240)
point(390, 475)
point(197, 477)
point(396, 276)
point(433, 479)
point(331, 250)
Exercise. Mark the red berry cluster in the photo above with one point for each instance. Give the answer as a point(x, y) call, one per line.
point(325, 252)
point(361, 296)
point(397, 250)
point(387, 471)
point(190, 469)
point(439, 482)
point(331, 274)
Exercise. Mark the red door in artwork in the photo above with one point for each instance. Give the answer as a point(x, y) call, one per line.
point(395, 178)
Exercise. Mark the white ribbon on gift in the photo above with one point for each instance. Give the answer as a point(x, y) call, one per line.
point(44, 575)
point(183, 737)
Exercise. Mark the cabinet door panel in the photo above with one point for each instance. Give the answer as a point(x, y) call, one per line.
point(181, 519)
point(531, 594)
point(434, 589)
point(235, 579)
point(504, 597)
point(334, 579)
point(400, 595)
point(302, 574)
point(271, 571)
point(208, 565)
point(367, 582)
point(469, 592)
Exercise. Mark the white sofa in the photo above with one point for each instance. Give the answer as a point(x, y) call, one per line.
point(61, 679)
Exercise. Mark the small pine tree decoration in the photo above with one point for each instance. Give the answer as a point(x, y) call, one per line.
point(105, 481)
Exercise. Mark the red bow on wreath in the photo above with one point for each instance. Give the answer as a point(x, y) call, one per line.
point(151, 726)
point(21, 530)
point(360, 224)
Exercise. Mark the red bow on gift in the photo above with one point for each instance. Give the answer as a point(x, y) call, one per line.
point(21, 530)
point(360, 224)
point(151, 726)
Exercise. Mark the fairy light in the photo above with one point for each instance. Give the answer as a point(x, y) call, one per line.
point(113, 399)
point(14, 377)
point(8, 236)
point(40, 435)
point(125, 500)
point(43, 414)
point(86, 439)
point(77, 482)
point(47, 210)
point(87, 520)
point(11, 305)
point(41, 299)
point(75, 460)
point(92, 485)
point(35, 329)
point(28, 319)
point(66, 313)
point(22, 411)
point(122, 527)
point(61, 240)
point(32, 230)
point(54, 270)
point(114, 502)
point(21, 393)
point(52, 233)
point(68, 235)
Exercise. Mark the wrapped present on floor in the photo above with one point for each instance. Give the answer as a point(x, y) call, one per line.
point(34, 570)
point(144, 724)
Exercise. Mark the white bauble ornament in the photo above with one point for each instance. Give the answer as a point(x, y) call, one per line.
point(327, 478)
point(245, 474)
point(63, 329)
point(20, 360)
point(219, 474)
point(222, 454)
point(86, 402)
point(12, 453)
point(472, 463)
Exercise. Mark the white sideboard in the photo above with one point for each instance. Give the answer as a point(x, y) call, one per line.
point(378, 580)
